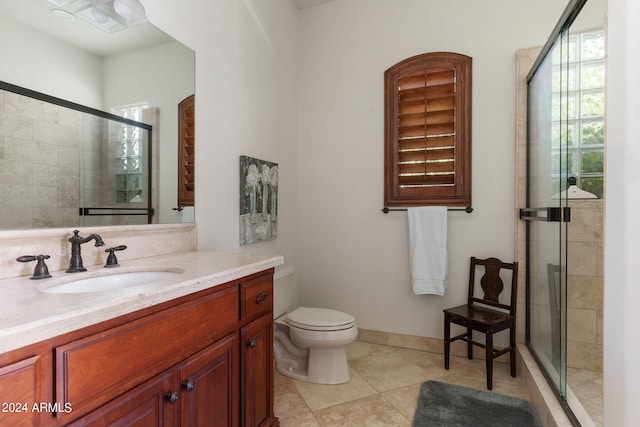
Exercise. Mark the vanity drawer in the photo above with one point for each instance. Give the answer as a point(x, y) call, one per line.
point(96, 369)
point(256, 296)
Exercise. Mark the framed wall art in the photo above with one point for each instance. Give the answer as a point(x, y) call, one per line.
point(258, 200)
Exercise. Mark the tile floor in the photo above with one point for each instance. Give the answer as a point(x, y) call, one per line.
point(384, 387)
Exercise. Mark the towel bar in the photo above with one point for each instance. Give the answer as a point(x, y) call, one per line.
point(468, 209)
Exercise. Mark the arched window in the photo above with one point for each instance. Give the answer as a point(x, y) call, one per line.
point(428, 131)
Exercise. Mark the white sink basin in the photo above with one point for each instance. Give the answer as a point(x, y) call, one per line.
point(110, 282)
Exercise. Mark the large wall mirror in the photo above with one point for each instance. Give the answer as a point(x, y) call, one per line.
point(138, 72)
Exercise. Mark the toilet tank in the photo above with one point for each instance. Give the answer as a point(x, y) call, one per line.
point(285, 291)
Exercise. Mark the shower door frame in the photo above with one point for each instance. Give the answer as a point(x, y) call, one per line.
point(559, 214)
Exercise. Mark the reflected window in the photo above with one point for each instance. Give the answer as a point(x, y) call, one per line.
point(129, 143)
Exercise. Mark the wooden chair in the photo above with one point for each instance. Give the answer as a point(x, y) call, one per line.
point(476, 315)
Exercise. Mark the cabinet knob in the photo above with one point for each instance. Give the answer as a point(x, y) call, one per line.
point(251, 343)
point(261, 298)
point(188, 385)
point(172, 397)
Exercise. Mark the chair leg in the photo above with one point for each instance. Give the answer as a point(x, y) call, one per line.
point(447, 342)
point(512, 353)
point(469, 344)
point(489, 359)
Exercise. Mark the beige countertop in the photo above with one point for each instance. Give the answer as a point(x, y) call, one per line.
point(28, 315)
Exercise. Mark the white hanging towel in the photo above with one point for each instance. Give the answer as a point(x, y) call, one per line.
point(428, 249)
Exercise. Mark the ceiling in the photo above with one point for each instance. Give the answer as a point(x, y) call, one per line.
point(37, 14)
point(303, 4)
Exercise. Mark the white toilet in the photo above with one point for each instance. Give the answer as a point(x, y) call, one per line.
point(310, 343)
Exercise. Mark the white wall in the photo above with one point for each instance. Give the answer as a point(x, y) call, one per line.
point(351, 256)
point(246, 68)
point(33, 60)
point(622, 222)
point(137, 77)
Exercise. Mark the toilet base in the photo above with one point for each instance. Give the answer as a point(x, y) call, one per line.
point(328, 366)
point(292, 368)
point(314, 365)
point(325, 366)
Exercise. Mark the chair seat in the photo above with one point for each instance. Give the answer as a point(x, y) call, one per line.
point(470, 315)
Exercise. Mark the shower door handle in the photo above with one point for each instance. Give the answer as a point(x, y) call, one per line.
point(554, 214)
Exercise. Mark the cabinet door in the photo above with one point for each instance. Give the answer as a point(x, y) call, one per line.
point(19, 391)
point(257, 372)
point(209, 390)
point(148, 405)
point(97, 369)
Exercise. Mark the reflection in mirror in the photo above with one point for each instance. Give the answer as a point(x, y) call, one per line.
point(138, 67)
point(64, 164)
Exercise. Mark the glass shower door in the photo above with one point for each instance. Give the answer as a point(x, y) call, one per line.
point(547, 213)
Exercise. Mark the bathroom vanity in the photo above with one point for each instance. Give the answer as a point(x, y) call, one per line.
point(195, 350)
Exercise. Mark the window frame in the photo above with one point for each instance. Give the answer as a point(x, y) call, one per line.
point(459, 192)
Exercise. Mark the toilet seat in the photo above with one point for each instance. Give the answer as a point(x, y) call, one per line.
point(320, 319)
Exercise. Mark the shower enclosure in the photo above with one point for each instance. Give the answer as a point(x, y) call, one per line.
point(68, 165)
point(565, 139)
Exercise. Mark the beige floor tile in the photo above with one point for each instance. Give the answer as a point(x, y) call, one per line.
point(306, 420)
point(360, 349)
point(384, 387)
point(404, 399)
point(389, 370)
point(318, 396)
point(373, 411)
point(288, 402)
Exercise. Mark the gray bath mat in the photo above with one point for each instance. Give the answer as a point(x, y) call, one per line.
point(449, 405)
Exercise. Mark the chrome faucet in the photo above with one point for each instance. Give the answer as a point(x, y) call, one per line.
point(75, 264)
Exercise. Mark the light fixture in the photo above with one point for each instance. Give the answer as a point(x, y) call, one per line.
point(108, 15)
point(64, 15)
point(60, 3)
point(129, 9)
point(100, 14)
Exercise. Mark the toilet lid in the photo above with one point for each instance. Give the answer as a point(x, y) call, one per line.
point(319, 319)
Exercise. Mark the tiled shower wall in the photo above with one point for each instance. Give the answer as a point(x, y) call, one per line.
point(39, 163)
point(585, 285)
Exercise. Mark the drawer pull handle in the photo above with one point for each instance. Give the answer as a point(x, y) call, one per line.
point(172, 397)
point(251, 343)
point(261, 298)
point(188, 386)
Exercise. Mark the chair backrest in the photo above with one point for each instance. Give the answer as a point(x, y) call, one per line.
point(492, 284)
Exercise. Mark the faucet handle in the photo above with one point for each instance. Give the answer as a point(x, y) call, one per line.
point(112, 261)
point(40, 271)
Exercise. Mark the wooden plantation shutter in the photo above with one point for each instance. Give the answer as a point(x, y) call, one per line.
point(428, 131)
point(186, 154)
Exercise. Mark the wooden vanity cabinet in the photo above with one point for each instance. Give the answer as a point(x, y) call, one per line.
point(145, 405)
point(256, 296)
point(202, 360)
point(21, 385)
point(209, 384)
point(257, 372)
point(198, 392)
